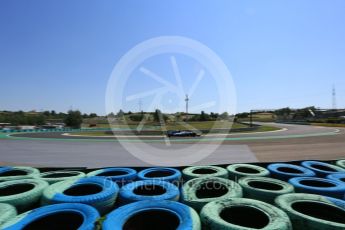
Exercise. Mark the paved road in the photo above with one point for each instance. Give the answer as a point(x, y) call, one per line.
point(297, 143)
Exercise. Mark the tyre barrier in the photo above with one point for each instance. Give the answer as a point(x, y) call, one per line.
point(204, 171)
point(22, 194)
point(57, 176)
point(318, 186)
point(337, 202)
point(164, 174)
point(264, 189)
point(152, 190)
point(287, 171)
point(237, 171)
point(17, 173)
point(340, 163)
point(56, 217)
point(95, 191)
point(121, 176)
point(307, 211)
point(159, 215)
point(322, 169)
point(196, 193)
point(338, 177)
point(241, 214)
point(7, 212)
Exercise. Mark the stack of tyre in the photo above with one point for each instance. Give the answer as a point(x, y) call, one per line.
point(309, 195)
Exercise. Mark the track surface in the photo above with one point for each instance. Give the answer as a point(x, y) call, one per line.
point(298, 142)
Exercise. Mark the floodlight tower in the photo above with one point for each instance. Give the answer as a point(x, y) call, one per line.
point(186, 100)
point(334, 98)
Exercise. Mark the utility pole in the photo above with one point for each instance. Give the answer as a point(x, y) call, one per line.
point(334, 98)
point(187, 100)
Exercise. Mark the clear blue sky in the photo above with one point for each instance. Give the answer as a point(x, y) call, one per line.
point(55, 54)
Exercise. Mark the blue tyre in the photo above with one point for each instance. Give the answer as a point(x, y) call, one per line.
point(154, 216)
point(165, 174)
point(152, 190)
point(337, 176)
point(337, 202)
point(121, 176)
point(95, 191)
point(56, 217)
point(322, 169)
point(288, 171)
point(318, 186)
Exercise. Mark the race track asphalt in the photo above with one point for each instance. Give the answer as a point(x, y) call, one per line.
point(298, 142)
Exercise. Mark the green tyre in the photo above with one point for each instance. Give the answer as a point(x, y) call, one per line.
point(264, 189)
point(243, 214)
point(198, 192)
point(17, 173)
point(204, 171)
point(237, 171)
point(341, 163)
point(57, 176)
point(309, 211)
point(7, 212)
point(22, 194)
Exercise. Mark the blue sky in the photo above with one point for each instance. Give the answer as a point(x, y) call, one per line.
point(59, 54)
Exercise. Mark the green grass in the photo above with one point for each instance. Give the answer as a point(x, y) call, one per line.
point(177, 125)
point(266, 128)
point(328, 124)
point(261, 117)
point(197, 125)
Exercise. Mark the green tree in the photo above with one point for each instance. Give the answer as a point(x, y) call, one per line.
point(74, 119)
point(120, 114)
point(157, 115)
point(224, 116)
point(204, 116)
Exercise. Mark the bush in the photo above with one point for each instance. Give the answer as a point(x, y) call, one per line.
point(74, 119)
